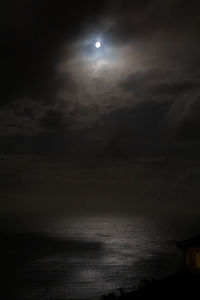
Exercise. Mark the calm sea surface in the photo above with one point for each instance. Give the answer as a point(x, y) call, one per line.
point(86, 257)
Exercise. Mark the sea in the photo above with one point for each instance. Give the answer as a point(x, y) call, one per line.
point(86, 257)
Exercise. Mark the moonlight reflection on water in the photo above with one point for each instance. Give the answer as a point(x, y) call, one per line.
point(85, 257)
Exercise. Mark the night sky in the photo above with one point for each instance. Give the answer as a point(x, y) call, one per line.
point(114, 129)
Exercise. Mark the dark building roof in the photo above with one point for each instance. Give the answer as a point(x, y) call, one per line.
point(192, 242)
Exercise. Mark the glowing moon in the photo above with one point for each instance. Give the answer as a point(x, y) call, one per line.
point(98, 44)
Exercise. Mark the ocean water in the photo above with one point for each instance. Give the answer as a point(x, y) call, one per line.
point(87, 257)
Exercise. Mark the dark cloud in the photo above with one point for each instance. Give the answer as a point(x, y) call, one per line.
point(139, 19)
point(188, 127)
point(151, 128)
point(137, 131)
point(53, 120)
point(159, 84)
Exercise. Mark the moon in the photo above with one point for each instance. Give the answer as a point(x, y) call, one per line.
point(98, 44)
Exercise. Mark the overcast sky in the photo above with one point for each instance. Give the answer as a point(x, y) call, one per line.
point(114, 128)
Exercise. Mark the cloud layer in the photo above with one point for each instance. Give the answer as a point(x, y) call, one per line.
point(137, 97)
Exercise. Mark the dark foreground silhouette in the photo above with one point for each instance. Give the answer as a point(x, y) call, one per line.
point(179, 286)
